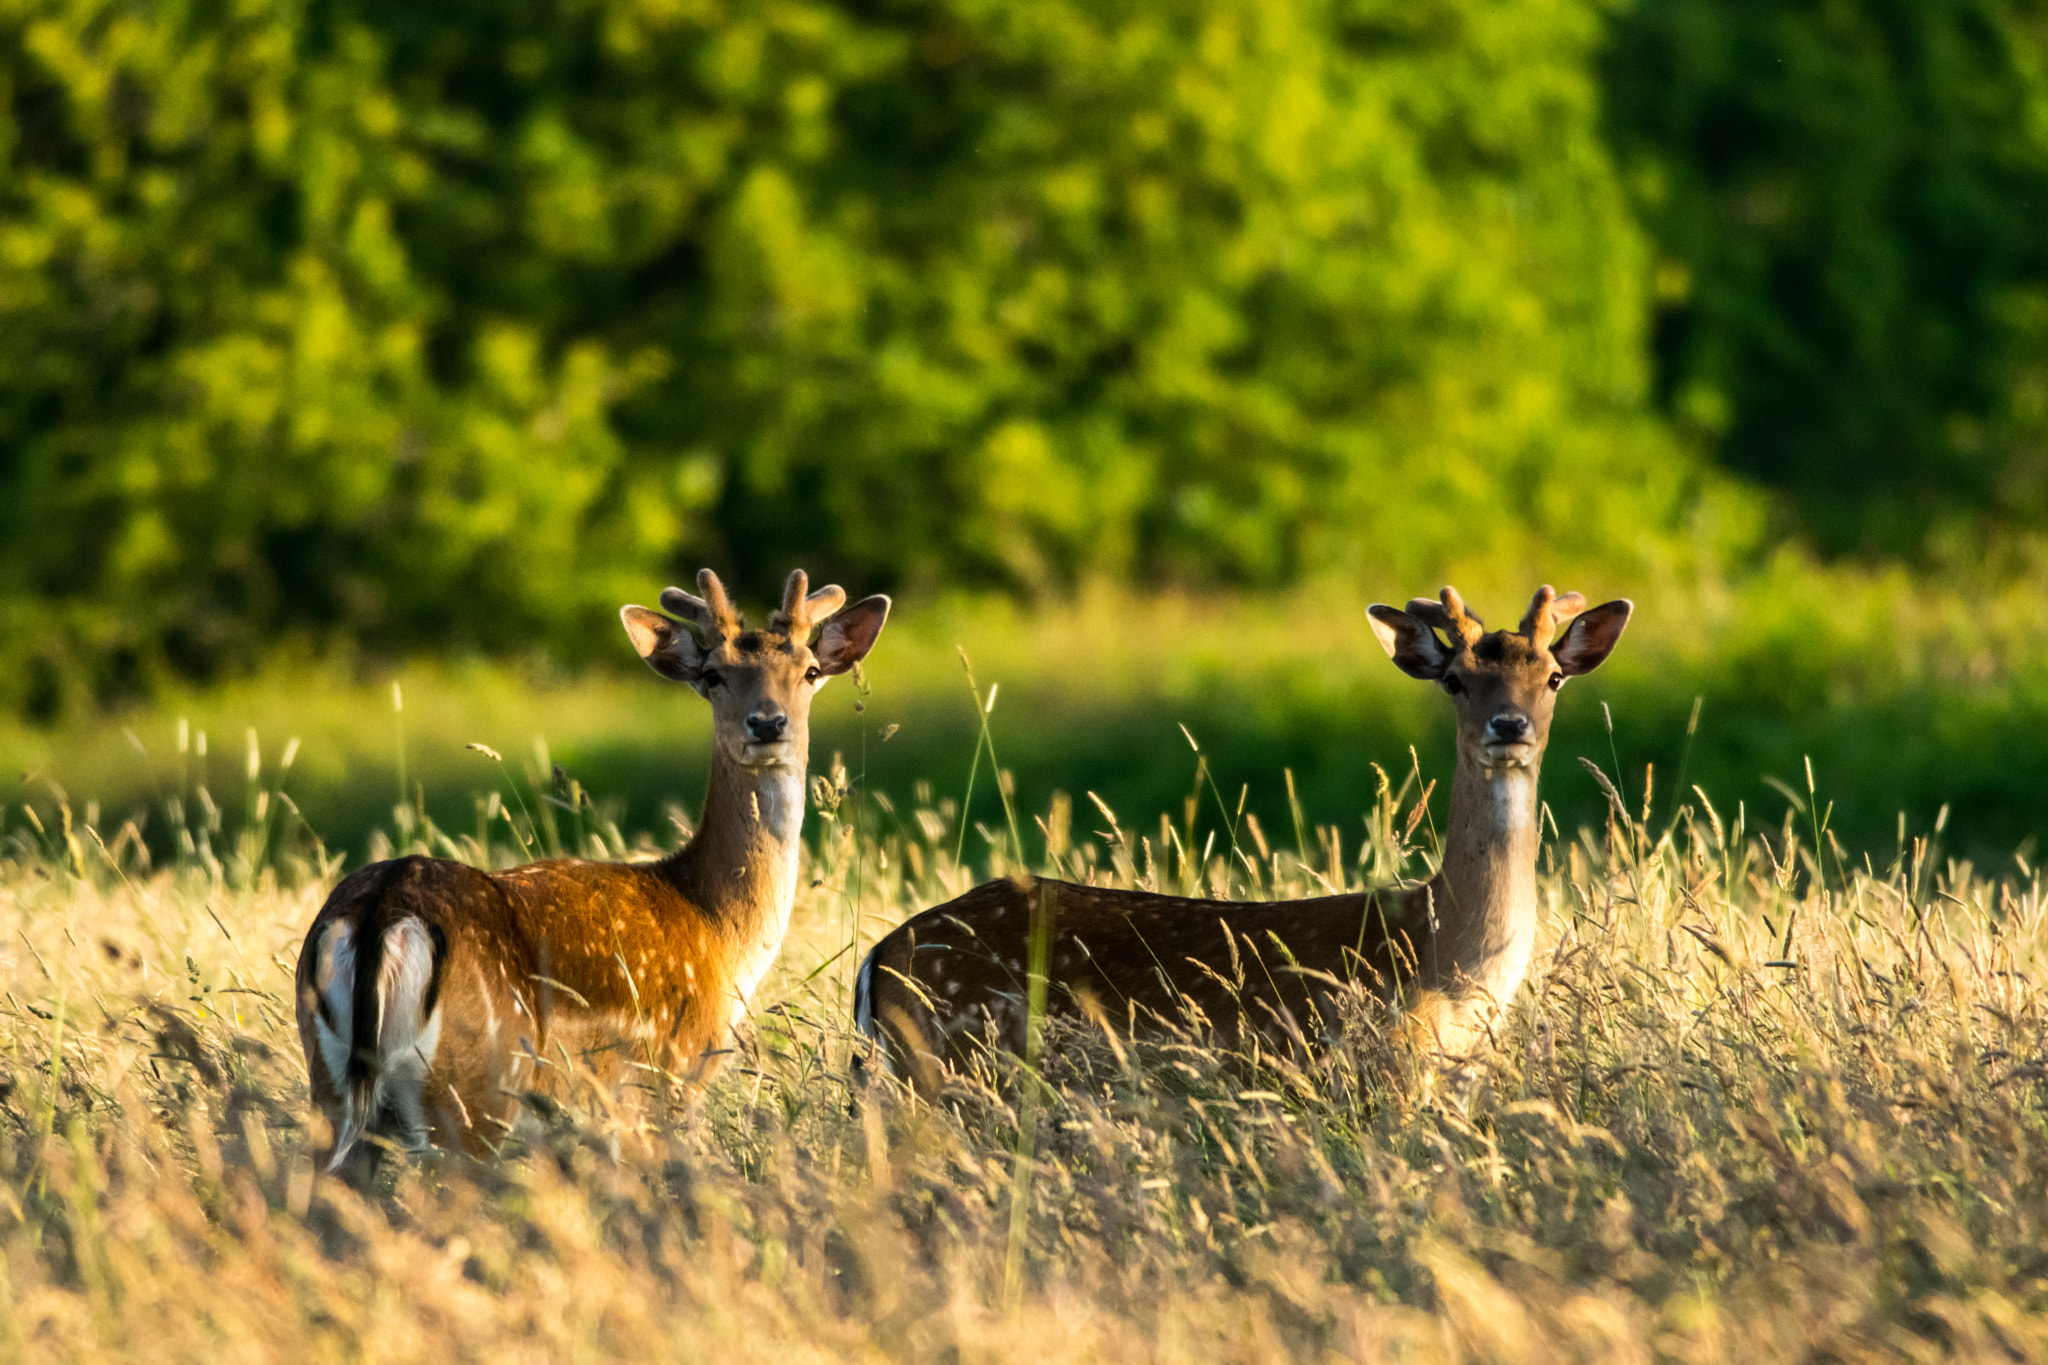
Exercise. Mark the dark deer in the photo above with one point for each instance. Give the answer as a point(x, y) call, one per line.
point(949, 984)
point(432, 994)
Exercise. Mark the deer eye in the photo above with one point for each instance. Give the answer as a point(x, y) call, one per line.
point(1452, 685)
point(813, 673)
point(711, 678)
point(1556, 681)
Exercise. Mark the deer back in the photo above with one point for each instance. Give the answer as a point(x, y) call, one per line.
point(955, 979)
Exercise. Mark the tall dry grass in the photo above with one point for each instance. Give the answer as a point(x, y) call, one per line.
point(1751, 1105)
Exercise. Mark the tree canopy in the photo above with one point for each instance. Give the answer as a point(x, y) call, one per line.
point(1852, 203)
point(453, 325)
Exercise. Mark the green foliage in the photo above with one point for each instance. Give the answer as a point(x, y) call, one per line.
point(457, 324)
point(1854, 299)
point(226, 409)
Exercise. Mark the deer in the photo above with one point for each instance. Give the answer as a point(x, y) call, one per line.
point(965, 981)
point(433, 997)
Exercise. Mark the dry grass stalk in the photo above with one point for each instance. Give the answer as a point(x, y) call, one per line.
point(1736, 1115)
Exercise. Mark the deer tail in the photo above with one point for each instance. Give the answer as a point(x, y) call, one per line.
point(391, 981)
point(864, 995)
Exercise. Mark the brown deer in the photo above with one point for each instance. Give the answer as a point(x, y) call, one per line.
point(952, 982)
point(432, 995)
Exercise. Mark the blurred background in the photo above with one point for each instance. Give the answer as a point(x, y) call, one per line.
point(1134, 347)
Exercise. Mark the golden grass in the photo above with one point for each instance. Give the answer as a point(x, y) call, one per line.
point(1742, 1111)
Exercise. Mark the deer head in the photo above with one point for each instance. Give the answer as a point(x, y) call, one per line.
point(759, 682)
point(1505, 683)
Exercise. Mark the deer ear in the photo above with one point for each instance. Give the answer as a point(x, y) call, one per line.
point(846, 639)
point(1412, 646)
point(1592, 638)
point(665, 643)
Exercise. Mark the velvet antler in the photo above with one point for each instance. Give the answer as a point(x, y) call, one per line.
point(1449, 615)
point(801, 610)
point(712, 613)
point(1548, 613)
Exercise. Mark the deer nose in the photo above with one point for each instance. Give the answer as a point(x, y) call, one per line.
point(763, 729)
point(1508, 727)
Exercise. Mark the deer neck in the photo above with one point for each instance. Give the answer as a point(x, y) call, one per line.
point(1484, 896)
point(740, 868)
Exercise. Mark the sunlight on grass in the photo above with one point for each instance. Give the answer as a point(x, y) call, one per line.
point(1742, 1111)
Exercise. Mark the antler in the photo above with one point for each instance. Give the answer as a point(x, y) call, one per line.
point(799, 613)
point(1449, 616)
point(1547, 612)
point(712, 613)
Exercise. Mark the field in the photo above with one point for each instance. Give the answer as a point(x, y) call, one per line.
point(1758, 1101)
point(359, 360)
point(1906, 699)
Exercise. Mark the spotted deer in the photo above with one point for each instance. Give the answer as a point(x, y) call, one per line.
point(432, 995)
point(953, 982)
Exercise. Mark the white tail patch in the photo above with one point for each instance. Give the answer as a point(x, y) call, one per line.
point(334, 976)
point(864, 995)
point(406, 1040)
point(864, 1010)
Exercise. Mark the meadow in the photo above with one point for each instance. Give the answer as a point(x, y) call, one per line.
point(1907, 704)
point(1759, 1100)
point(358, 359)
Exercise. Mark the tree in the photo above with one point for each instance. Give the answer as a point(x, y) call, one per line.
point(447, 325)
point(1849, 200)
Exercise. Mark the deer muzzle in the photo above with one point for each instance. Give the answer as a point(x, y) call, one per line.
point(1510, 739)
